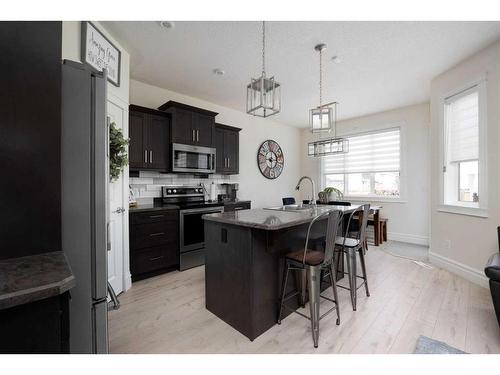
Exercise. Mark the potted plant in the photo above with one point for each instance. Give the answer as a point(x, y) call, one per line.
point(330, 194)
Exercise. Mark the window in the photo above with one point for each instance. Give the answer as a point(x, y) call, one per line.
point(371, 168)
point(464, 172)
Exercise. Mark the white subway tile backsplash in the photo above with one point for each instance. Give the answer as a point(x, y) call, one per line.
point(150, 194)
point(140, 181)
point(148, 185)
point(153, 187)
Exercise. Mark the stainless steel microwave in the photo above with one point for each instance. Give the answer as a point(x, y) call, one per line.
point(193, 159)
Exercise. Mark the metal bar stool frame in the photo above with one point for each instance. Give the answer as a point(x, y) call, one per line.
point(313, 276)
point(350, 252)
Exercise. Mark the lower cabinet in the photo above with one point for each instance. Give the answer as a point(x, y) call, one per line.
point(154, 242)
point(40, 327)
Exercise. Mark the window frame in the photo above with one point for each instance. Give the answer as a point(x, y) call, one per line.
point(402, 166)
point(479, 209)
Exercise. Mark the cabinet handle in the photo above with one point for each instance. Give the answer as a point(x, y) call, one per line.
point(239, 208)
point(225, 162)
point(156, 234)
point(193, 137)
point(197, 135)
point(155, 216)
point(156, 258)
point(145, 156)
point(150, 156)
point(229, 162)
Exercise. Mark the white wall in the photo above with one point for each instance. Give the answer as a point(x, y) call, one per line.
point(464, 243)
point(253, 186)
point(409, 218)
point(118, 101)
point(71, 44)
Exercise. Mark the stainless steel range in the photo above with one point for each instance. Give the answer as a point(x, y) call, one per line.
point(192, 204)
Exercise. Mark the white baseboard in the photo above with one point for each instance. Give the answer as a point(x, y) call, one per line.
point(408, 238)
point(128, 281)
point(468, 273)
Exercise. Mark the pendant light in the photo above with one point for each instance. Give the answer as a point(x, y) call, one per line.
point(323, 119)
point(263, 94)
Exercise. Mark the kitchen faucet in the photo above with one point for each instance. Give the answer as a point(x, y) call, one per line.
point(313, 199)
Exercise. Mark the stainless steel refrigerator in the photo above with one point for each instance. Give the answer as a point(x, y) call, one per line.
point(84, 166)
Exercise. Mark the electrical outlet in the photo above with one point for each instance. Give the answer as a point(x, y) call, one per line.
point(447, 244)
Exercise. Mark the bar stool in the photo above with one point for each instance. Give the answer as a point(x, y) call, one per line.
point(313, 263)
point(350, 247)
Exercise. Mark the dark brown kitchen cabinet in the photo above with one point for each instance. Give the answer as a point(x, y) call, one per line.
point(154, 242)
point(227, 143)
point(191, 125)
point(40, 327)
point(149, 133)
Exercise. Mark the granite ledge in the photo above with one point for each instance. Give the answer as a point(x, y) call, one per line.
point(268, 219)
point(33, 278)
point(153, 207)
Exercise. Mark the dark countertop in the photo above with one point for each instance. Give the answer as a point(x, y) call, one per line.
point(228, 203)
point(159, 206)
point(267, 219)
point(32, 278)
point(153, 207)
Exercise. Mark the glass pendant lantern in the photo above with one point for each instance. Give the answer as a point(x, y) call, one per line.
point(263, 93)
point(323, 120)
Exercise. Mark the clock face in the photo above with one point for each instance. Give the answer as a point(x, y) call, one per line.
point(270, 159)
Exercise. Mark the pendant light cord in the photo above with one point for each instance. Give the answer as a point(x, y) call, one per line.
point(320, 78)
point(263, 47)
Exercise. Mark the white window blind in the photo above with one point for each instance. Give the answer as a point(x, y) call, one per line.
point(462, 125)
point(372, 152)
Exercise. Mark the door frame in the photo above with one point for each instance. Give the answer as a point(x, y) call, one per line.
point(127, 277)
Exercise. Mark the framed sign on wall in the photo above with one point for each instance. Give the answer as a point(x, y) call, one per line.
point(99, 53)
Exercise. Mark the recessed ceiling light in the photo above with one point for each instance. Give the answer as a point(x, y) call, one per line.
point(218, 71)
point(167, 24)
point(335, 59)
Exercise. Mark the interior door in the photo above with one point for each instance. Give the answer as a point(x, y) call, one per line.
point(158, 133)
point(118, 204)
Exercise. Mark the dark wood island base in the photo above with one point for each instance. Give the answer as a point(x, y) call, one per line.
point(244, 263)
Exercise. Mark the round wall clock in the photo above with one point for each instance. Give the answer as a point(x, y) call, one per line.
point(270, 159)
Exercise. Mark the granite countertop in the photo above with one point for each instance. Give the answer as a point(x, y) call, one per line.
point(271, 219)
point(32, 278)
point(153, 207)
point(159, 206)
point(227, 203)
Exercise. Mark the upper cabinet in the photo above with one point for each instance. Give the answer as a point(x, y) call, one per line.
point(191, 125)
point(227, 141)
point(149, 132)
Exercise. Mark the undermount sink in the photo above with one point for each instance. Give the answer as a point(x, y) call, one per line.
point(291, 207)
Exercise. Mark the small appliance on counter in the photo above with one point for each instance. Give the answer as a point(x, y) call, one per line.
point(229, 194)
point(132, 202)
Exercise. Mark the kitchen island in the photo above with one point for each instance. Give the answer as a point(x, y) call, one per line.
point(244, 253)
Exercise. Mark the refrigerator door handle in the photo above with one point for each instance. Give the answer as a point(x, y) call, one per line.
point(108, 237)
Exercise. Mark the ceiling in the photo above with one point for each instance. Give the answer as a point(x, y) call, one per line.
point(384, 65)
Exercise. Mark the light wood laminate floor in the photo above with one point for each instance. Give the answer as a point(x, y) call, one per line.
point(166, 314)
